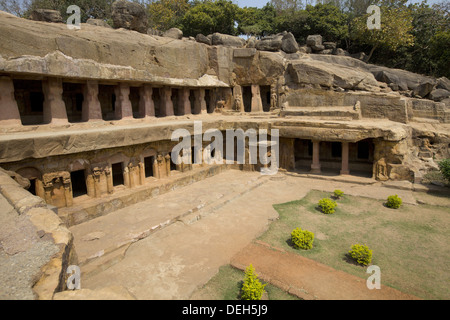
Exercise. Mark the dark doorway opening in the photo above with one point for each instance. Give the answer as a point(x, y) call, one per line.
point(363, 149)
point(336, 149)
point(78, 179)
point(148, 164)
point(117, 173)
point(247, 98)
point(32, 188)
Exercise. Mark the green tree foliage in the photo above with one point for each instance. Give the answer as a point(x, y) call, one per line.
point(166, 14)
point(255, 21)
point(209, 16)
point(252, 288)
point(395, 32)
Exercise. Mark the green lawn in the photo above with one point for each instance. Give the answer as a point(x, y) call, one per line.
point(410, 244)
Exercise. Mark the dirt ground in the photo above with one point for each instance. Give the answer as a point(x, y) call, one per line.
point(181, 257)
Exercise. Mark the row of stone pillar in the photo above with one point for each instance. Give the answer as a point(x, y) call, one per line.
point(315, 165)
point(55, 110)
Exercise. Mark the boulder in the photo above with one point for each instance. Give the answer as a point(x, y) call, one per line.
point(98, 23)
point(314, 40)
point(439, 94)
point(289, 44)
point(251, 42)
point(443, 83)
point(329, 45)
point(423, 89)
point(304, 49)
point(317, 48)
point(203, 39)
point(227, 40)
point(129, 15)
point(271, 43)
point(173, 33)
point(340, 52)
point(393, 80)
point(330, 75)
point(46, 15)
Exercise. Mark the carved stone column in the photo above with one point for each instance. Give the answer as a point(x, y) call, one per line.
point(126, 176)
point(256, 99)
point(48, 187)
point(199, 101)
point(54, 106)
point(109, 180)
point(315, 166)
point(9, 113)
point(167, 158)
point(156, 166)
point(123, 108)
point(146, 104)
point(90, 184)
point(97, 172)
point(185, 103)
point(67, 190)
point(344, 167)
point(166, 102)
point(91, 108)
point(141, 173)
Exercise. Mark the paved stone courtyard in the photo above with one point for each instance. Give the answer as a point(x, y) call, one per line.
point(169, 246)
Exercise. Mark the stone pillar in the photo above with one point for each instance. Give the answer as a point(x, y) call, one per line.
point(344, 167)
point(123, 108)
point(91, 109)
point(67, 190)
point(126, 176)
point(315, 166)
point(156, 166)
point(109, 180)
point(238, 100)
point(97, 175)
point(200, 103)
point(185, 103)
point(90, 185)
point(9, 111)
point(146, 104)
point(166, 102)
point(167, 158)
point(48, 186)
point(54, 106)
point(141, 173)
point(256, 99)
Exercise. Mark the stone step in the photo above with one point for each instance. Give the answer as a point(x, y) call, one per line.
point(335, 112)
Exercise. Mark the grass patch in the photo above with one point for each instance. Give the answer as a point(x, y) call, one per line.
point(226, 285)
point(410, 244)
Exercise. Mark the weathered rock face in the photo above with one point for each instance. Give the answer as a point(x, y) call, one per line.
point(129, 15)
point(46, 15)
point(439, 94)
point(227, 40)
point(289, 44)
point(271, 43)
point(173, 33)
point(329, 75)
point(98, 22)
point(203, 39)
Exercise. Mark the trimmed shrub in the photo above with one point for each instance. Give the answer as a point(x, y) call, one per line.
point(252, 288)
point(361, 253)
point(338, 193)
point(327, 205)
point(302, 239)
point(444, 167)
point(394, 202)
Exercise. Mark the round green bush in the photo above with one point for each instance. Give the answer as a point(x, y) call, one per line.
point(361, 253)
point(444, 167)
point(394, 202)
point(338, 193)
point(327, 205)
point(252, 288)
point(302, 239)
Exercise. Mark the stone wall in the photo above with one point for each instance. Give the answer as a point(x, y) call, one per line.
point(52, 275)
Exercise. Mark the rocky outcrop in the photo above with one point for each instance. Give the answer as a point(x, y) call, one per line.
point(173, 33)
point(129, 15)
point(203, 39)
point(98, 22)
point(46, 15)
point(219, 39)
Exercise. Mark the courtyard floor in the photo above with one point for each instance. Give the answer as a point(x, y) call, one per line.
point(169, 246)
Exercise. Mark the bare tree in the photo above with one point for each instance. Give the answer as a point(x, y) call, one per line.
point(15, 7)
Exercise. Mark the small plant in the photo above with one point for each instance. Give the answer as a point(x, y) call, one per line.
point(338, 193)
point(394, 202)
point(444, 167)
point(252, 288)
point(302, 239)
point(327, 205)
point(361, 253)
